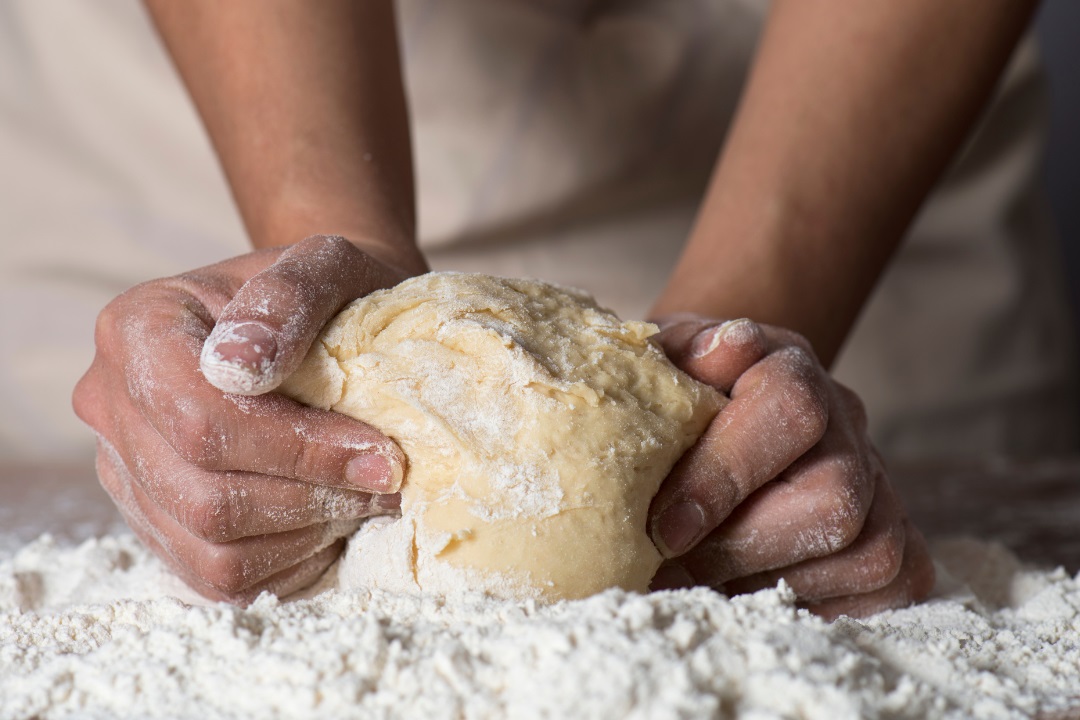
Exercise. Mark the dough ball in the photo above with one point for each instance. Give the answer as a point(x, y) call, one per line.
point(538, 427)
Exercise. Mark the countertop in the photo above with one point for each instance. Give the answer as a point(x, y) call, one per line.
point(1032, 507)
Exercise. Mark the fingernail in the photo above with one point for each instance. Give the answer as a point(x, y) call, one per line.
point(675, 530)
point(705, 342)
point(251, 345)
point(671, 577)
point(376, 473)
point(708, 340)
point(240, 358)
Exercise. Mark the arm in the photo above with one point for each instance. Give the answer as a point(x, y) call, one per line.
point(851, 114)
point(305, 106)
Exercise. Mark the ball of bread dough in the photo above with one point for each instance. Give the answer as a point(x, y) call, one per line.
point(537, 426)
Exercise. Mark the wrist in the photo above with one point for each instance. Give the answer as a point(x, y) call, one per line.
point(403, 256)
point(389, 240)
point(764, 279)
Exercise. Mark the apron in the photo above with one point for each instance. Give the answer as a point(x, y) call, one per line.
point(566, 140)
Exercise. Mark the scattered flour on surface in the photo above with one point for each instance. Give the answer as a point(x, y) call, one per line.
point(101, 630)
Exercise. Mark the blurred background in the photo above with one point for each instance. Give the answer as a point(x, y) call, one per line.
point(1057, 26)
point(107, 179)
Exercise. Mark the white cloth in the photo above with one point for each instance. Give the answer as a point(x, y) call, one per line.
point(565, 140)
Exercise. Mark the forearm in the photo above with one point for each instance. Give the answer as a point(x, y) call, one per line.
point(851, 114)
point(305, 106)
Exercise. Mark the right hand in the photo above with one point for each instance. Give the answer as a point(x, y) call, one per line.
point(785, 483)
point(238, 489)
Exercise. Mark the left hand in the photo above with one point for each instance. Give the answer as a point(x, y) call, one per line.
point(785, 483)
point(236, 488)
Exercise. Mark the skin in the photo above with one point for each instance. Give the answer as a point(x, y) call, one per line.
point(852, 112)
point(784, 483)
point(238, 494)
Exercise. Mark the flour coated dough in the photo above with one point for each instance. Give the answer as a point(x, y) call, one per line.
point(537, 426)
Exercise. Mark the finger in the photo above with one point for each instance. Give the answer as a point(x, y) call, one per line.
point(815, 508)
point(129, 511)
point(215, 431)
point(912, 584)
point(223, 506)
point(868, 564)
point(265, 331)
point(715, 353)
point(230, 567)
point(220, 507)
point(288, 581)
point(117, 482)
point(777, 413)
point(299, 576)
point(671, 576)
point(677, 332)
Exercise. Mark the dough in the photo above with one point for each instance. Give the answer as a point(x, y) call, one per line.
point(538, 427)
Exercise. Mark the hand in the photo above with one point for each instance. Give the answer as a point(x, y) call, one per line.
point(238, 489)
point(784, 483)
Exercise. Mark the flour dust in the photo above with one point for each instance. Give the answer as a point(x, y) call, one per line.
point(101, 630)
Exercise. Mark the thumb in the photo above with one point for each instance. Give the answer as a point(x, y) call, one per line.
point(713, 352)
point(265, 331)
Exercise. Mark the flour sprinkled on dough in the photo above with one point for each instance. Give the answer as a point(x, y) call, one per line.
point(537, 425)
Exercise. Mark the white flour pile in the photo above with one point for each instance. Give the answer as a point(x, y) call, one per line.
point(91, 632)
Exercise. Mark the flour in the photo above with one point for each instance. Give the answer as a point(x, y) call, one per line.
point(538, 428)
point(97, 631)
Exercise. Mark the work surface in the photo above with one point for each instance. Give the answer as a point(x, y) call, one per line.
point(95, 630)
point(1033, 508)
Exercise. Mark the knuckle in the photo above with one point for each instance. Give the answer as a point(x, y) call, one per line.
point(843, 505)
point(223, 567)
point(850, 521)
point(107, 326)
point(852, 477)
point(892, 555)
point(848, 525)
point(804, 396)
point(82, 399)
point(330, 248)
point(844, 527)
point(196, 436)
point(885, 558)
point(125, 318)
point(92, 400)
point(797, 340)
point(208, 512)
point(322, 241)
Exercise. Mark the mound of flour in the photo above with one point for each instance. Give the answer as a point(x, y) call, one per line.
point(100, 630)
